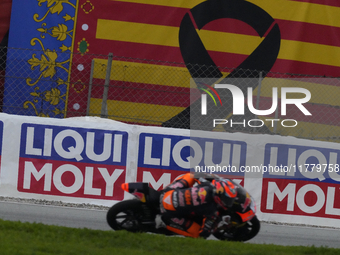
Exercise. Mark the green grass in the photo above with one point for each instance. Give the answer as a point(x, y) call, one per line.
point(27, 238)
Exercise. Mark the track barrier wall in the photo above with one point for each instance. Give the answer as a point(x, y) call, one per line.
point(86, 159)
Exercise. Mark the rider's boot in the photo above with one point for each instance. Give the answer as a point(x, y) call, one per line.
point(159, 222)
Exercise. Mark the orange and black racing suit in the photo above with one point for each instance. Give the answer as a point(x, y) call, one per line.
point(181, 201)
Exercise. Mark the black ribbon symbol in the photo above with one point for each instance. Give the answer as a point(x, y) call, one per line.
point(201, 65)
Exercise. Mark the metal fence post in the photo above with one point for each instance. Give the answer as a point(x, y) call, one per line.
point(90, 89)
point(104, 111)
point(276, 118)
point(258, 94)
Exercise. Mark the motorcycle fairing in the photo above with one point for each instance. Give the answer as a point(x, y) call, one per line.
point(138, 189)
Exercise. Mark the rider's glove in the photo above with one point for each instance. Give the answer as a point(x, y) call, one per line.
point(225, 220)
point(208, 226)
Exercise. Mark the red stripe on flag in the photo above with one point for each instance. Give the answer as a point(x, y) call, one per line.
point(290, 30)
point(305, 68)
point(144, 93)
point(335, 3)
point(319, 34)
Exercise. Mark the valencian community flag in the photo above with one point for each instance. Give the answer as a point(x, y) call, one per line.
point(170, 38)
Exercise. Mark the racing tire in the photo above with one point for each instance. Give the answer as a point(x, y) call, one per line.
point(247, 231)
point(125, 215)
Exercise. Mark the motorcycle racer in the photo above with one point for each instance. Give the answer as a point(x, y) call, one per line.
point(182, 202)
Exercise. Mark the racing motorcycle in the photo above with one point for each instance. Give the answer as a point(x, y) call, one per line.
point(239, 223)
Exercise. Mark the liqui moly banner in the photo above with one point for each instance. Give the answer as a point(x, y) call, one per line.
point(161, 157)
point(305, 182)
point(67, 161)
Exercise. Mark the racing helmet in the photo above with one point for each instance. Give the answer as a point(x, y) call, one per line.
point(225, 192)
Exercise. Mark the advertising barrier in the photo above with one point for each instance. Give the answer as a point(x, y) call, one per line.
point(86, 159)
point(67, 161)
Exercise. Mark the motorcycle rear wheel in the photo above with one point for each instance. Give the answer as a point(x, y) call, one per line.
point(241, 234)
point(125, 215)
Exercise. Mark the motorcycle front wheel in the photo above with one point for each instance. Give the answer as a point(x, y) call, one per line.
point(241, 233)
point(126, 215)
